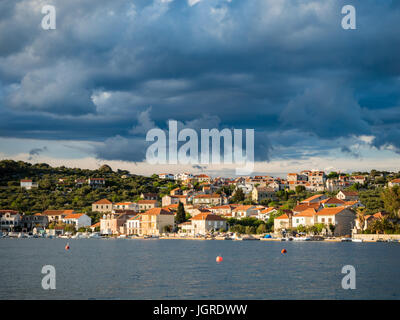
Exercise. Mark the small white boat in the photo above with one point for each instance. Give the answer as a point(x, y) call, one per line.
point(357, 240)
point(301, 239)
point(95, 235)
point(346, 240)
point(122, 236)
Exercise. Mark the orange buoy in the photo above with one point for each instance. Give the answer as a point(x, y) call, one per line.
point(219, 259)
point(67, 246)
point(283, 251)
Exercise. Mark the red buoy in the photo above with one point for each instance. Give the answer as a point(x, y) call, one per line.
point(67, 246)
point(219, 259)
point(283, 251)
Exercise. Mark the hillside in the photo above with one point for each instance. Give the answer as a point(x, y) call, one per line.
point(55, 194)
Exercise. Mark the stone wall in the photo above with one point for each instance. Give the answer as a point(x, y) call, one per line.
point(374, 237)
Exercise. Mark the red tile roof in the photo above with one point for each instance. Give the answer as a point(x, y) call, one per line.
point(103, 201)
point(208, 216)
point(158, 211)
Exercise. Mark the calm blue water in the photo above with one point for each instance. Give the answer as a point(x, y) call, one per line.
point(184, 269)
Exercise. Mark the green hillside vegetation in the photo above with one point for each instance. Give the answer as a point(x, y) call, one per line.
point(54, 195)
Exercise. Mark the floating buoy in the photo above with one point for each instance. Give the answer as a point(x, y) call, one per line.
point(283, 251)
point(67, 246)
point(219, 259)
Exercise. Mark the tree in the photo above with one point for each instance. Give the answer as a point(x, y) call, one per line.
point(301, 228)
point(167, 229)
point(391, 200)
point(238, 196)
point(361, 217)
point(262, 228)
point(332, 174)
point(300, 189)
point(250, 230)
point(180, 215)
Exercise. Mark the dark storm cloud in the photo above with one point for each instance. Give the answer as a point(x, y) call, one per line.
point(36, 151)
point(285, 68)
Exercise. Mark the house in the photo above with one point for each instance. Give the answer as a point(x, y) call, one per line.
point(149, 196)
point(316, 177)
point(78, 219)
point(265, 214)
point(28, 184)
point(96, 182)
point(126, 206)
point(347, 195)
point(56, 216)
point(303, 206)
point(195, 211)
point(208, 199)
point(341, 217)
point(262, 193)
point(147, 204)
point(370, 219)
point(29, 222)
point(168, 200)
point(206, 222)
point(354, 204)
point(186, 228)
point(244, 211)
point(113, 223)
point(155, 220)
point(168, 176)
point(314, 199)
point(102, 205)
point(304, 218)
point(222, 210)
point(393, 183)
point(183, 176)
point(9, 220)
point(284, 221)
point(93, 227)
point(202, 178)
point(359, 179)
point(333, 202)
point(132, 225)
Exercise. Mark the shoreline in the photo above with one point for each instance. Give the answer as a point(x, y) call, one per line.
point(355, 240)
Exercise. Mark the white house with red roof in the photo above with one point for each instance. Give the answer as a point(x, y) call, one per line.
point(265, 214)
point(78, 219)
point(342, 218)
point(103, 205)
point(168, 176)
point(28, 184)
point(347, 195)
point(208, 199)
point(206, 222)
point(393, 183)
point(244, 211)
point(126, 206)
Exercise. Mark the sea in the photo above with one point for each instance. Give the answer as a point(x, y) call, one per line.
point(111, 269)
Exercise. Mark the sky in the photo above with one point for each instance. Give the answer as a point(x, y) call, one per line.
point(86, 93)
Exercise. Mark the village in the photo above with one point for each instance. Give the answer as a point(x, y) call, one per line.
point(332, 212)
